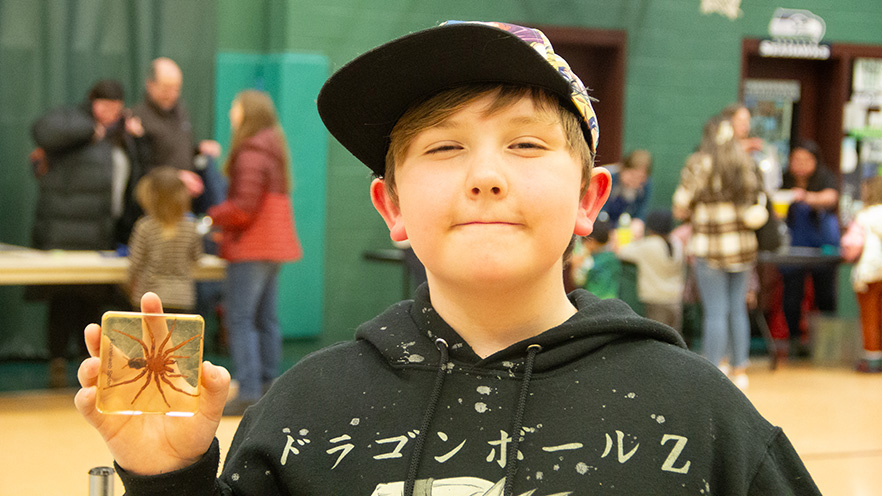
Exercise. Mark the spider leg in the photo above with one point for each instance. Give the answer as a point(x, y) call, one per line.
point(170, 360)
point(165, 380)
point(150, 374)
point(167, 336)
point(143, 345)
point(130, 380)
point(179, 345)
point(156, 378)
point(169, 372)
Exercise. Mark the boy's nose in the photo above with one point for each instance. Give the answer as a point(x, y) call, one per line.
point(486, 178)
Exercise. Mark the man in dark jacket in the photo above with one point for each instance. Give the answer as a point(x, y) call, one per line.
point(92, 158)
point(169, 132)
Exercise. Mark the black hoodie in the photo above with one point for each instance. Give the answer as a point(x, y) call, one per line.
point(607, 403)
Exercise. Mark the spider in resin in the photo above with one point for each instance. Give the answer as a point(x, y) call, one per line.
point(156, 364)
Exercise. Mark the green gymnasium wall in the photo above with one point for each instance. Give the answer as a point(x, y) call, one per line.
point(682, 67)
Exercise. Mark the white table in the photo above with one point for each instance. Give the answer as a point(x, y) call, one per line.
point(25, 266)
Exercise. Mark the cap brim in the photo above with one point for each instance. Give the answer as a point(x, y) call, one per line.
point(362, 101)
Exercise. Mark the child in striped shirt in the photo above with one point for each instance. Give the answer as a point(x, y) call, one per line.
point(165, 243)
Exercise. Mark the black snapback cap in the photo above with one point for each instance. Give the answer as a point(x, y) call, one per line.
point(362, 101)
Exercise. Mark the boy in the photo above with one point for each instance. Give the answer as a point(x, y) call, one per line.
point(492, 381)
point(661, 270)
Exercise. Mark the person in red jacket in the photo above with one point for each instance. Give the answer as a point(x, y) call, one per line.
point(257, 236)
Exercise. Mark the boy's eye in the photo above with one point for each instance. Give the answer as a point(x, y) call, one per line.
point(443, 148)
point(528, 145)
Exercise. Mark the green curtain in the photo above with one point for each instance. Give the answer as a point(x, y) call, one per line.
point(51, 51)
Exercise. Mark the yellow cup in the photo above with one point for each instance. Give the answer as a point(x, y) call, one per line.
point(623, 236)
point(781, 201)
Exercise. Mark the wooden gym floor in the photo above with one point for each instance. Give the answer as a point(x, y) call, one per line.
point(833, 416)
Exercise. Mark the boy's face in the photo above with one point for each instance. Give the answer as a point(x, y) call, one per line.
point(491, 198)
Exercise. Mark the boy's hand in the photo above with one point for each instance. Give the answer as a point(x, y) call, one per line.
point(153, 444)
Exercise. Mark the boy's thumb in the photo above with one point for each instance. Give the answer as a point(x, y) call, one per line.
point(215, 387)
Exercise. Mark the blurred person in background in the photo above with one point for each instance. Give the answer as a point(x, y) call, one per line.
point(812, 222)
point(631, 186)
point(717, 184)
point(761, 152)
point(165, 243)
point(88, 161)
point(594, 264)
point(862, 244)
point(661, 269)
point(166, 119)
point(257, 227)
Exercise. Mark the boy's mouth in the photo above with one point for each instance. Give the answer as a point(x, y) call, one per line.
point(487, 223)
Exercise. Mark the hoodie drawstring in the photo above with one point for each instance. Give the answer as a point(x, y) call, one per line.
point(512, 457)
point(420, 441)
point(511, 464)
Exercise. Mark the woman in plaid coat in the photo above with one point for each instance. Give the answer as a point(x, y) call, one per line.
point(717, 184)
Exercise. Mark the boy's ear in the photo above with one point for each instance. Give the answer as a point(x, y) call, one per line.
point(388, 210)
point(595, 196)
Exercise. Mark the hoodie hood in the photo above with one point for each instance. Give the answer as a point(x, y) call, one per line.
point(405, 335)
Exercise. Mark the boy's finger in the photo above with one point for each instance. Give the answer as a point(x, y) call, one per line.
point(215, 388)
point(154, 326)
point(87, 374)
point(150, 303)
point(85, 403)
point(92, 335)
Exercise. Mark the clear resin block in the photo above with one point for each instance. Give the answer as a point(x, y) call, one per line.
point(150, 363)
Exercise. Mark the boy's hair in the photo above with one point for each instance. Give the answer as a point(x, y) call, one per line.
point(363, 101)
point(446, 103)
point(163, 195)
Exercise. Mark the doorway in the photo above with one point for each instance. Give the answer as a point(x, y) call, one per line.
point(823, 89)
